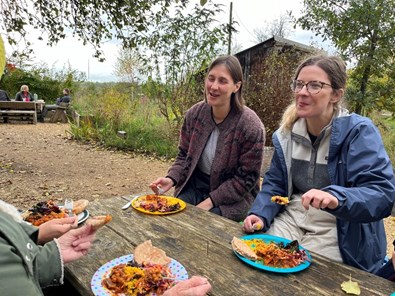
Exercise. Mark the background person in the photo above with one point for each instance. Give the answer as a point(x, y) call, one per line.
point(66, 99)
point(334, 167)
point(220, 149)
point(24, 95)
point(4, 96)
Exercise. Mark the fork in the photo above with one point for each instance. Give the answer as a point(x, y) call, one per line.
point(68, 204)
point(160, 190)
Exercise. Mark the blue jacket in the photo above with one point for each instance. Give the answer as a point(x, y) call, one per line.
point(362, 179)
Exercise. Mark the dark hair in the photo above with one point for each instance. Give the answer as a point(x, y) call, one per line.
point(235, 71)
point(333, 66)
point(66, 90)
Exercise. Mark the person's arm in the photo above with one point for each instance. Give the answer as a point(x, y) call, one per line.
point(55, 228)
point(6, 96)
point(177, 167)
point(18, 97)
point(274, 183)
point(23, 263)
point(14, 275)
point(366, 191)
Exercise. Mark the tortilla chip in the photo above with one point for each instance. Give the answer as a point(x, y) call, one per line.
point(146, 253)
point(243, 249)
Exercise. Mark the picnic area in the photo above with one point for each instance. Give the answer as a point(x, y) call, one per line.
point(42, 161)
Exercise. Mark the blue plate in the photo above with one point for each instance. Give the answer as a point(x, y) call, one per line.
point(271, 238)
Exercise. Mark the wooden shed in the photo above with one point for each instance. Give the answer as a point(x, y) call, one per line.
point(251, 59)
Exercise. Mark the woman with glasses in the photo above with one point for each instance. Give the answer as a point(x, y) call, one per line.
point(333, 167)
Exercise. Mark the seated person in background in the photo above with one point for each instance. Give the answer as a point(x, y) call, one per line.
point(333, 167)
point(221, 147)
point(4, 96)
point(65, 99)
point(24, 95)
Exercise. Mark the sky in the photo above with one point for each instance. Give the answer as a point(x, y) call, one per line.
point(250, 14)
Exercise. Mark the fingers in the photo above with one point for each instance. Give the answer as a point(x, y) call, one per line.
point(197, 286)
point(252, 223)
point(319, 199)
point(197, 281)
point(85, 246)
point(84, 234)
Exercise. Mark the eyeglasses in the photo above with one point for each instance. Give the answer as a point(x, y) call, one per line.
point(313, 87)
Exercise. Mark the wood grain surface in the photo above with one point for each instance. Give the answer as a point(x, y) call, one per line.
point(200, 241)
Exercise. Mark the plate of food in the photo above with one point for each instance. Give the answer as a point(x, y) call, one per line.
point(158, 204)
point(44, 211)
point(146, 272)
point(271, 253)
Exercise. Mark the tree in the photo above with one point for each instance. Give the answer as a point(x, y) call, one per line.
point(175, 51)
point(2, 57)
point(90, 20)
point(364, 33)
point(267, 90)
point(127, 68)
point(280, 27)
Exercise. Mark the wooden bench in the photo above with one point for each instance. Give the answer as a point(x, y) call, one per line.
point(60, 113)
point(18, 111)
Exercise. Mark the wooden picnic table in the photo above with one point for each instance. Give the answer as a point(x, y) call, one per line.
point(200, 241)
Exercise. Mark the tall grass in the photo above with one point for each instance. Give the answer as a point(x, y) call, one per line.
point(386, 125)
point(146, 130)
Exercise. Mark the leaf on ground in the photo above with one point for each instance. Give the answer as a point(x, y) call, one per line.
point(351, 287)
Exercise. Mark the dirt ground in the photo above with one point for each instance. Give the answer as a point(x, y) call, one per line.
point(38, 162)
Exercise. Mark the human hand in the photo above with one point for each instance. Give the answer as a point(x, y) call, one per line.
point(195, 286)
point(55, 228)
point(163, 183)
point(252, 223)
point(319, 199)
point(206, 204)
point(76, 243)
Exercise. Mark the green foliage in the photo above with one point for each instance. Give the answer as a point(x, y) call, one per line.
point(91, 21)
point(46, 83)
point(176, 48)
point(103, 116)
point(386, 125)
point(379, 94)
point(268, 92)
point(2, 57)
point(364, 33)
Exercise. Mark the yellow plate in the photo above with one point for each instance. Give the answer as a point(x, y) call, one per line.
point(170, 201)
